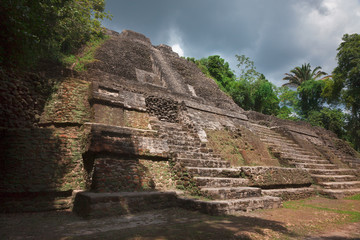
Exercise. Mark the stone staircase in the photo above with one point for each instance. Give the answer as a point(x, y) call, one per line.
point(332, 181)
point(352, 161)
point(229, 193)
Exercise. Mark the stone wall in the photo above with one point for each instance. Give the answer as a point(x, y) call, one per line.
point(131, 174)
point(126, 141)
point(42, 165)
point(164, 109)
point(22, 98)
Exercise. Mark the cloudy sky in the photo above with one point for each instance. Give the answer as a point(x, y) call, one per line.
point(276, 34)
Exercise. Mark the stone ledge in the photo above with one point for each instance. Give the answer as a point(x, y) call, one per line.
point(339, 193)
point(290, 193)
point(224, 207)
point(94, 205)
point(211, 109)
point(118, 129)
point(303, 131)
point(106, 100)
point(115, 96)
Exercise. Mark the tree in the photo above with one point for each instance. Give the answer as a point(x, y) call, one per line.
point(247, 68)
point(347, 75)
point(251, 90)
point(298, 75)
point(31, 30)
point(288, 102)
point(310, 97)
point(265, 97)
point(331, 119)
point(219, 70)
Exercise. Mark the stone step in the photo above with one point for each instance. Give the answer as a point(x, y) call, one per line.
point(315, 166)
point(333, 178)
point(259, 126)
point(224, 193)
point(340, 185)
point(182, 142)
point(198, 155)
point(214, 172)
point(350, 160)
point(272, 135)
point(186, 148)
point(354, 165)
point(283, 148)
point(296, 155)
point(290, 193)
point(203, 163)
point(309, 161)
point(221, 182)
point(278, 141)
point(222, 207)
point(340, 171)
point(340, 193)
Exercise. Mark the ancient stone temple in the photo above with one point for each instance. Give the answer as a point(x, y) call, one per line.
point(145, 129)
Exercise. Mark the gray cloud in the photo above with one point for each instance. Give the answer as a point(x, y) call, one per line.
point(276, 34)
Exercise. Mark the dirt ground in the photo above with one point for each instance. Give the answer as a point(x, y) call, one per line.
point(312, 219)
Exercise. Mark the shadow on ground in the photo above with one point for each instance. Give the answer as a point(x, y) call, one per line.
point(190, 225)
point(164, 224)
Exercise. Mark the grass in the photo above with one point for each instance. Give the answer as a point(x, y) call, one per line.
point(354, 216)
point(355, 197)
point(79, 62)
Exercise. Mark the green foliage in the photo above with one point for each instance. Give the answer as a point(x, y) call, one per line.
point(265, 97)
point(32, 30)
point(288, 103)
point(310, 96)
point(299, 75)
point(78, 63)
point(251, 91)
point(308, 103)
point(216, 68)
point(247, 68)
point(331, 119)
point(347, 78)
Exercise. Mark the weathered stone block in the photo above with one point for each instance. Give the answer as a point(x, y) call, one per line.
point(126, 141)
point(135, 119)
point(108, 115)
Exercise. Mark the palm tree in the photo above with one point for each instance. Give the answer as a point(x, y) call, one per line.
point(298, 75)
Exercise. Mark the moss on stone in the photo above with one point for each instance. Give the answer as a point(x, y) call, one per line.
point(240, 148)
point(68, 103)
